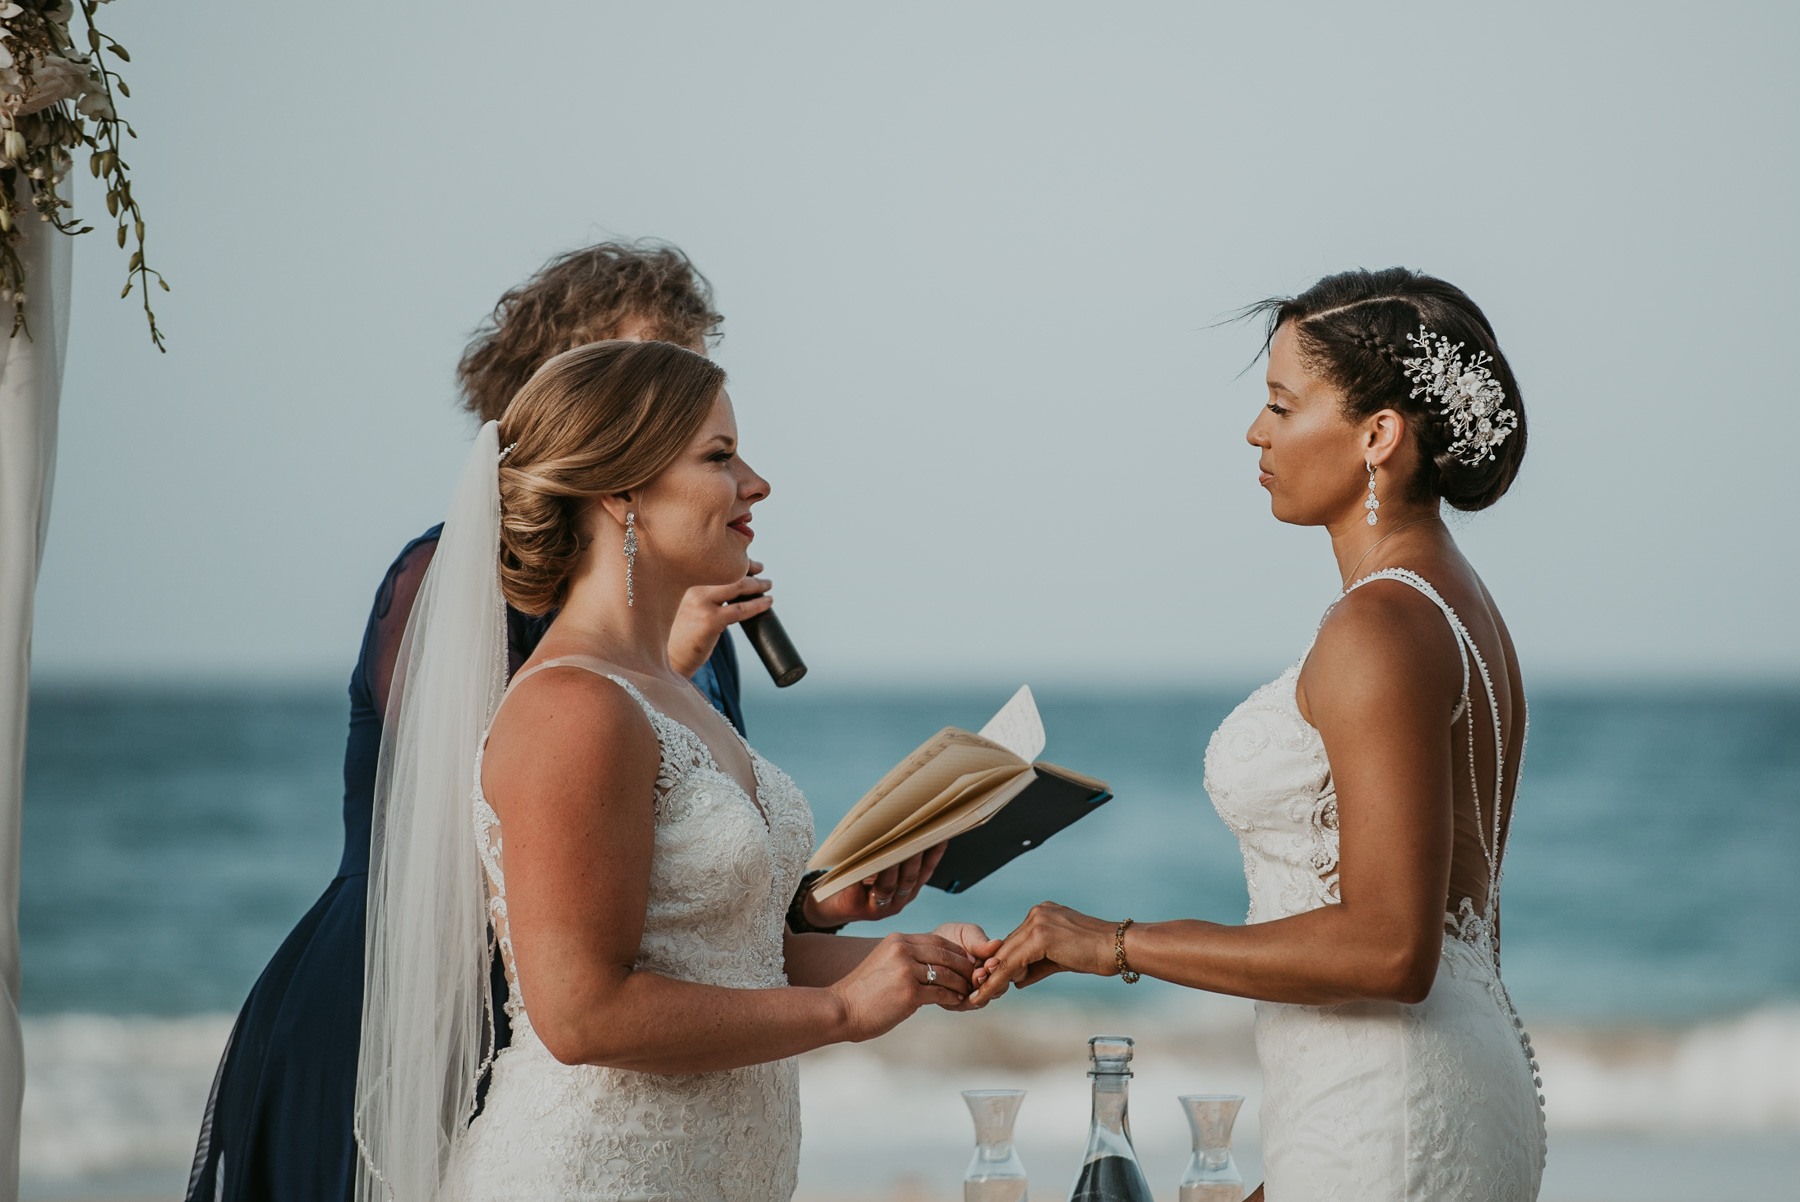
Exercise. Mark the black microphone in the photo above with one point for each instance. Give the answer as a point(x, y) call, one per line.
point(772, 645)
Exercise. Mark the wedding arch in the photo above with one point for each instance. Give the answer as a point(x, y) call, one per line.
point(57, 99)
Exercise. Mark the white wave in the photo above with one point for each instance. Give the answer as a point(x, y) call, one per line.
point(110, 1097)
point(115, 1097)
point(1739, 1075)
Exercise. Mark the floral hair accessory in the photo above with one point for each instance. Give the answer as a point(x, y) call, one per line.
point(1472, 399)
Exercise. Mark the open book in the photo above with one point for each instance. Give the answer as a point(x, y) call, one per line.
point(983, 792)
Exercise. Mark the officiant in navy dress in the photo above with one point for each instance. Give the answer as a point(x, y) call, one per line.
point(278, 1125)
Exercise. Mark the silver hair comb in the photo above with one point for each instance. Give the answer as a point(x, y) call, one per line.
point(1471, 398)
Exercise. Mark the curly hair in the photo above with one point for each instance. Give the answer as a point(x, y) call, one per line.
point(1352, 330)
point(607, 417)
point(584, 296)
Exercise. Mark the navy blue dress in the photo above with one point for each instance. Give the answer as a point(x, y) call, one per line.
point(277, 1126)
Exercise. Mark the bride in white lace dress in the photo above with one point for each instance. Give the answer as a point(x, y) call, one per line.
point(1370, 785)
point(632, 859)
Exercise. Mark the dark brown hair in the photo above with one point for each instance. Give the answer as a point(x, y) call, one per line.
point(604, 418)
point(583, 296)
point(1352, 329)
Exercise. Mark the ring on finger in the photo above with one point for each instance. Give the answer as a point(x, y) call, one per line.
point(882, 901)
point(931, 974)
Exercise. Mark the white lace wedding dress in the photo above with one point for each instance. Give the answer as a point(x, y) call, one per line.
point(720, 884)
point(1377, 1101)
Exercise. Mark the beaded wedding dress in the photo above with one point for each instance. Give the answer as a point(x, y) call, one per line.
point(721, 879)
point(1379, 1101)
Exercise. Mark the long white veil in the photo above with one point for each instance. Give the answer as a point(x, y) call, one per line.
point(427, 1014)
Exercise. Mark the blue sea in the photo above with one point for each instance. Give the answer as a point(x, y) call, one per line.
point(173, 835)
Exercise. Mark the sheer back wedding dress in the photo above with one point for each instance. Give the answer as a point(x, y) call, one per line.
point(725, 867)
point(1381, 1101)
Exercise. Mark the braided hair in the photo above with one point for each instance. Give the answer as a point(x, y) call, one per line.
point(1351, 328)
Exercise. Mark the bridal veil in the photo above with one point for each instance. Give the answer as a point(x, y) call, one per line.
point(427, 1028)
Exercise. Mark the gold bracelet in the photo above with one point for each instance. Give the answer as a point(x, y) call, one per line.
point(1125, 973)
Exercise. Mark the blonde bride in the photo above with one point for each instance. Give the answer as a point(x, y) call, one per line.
point(631, 856)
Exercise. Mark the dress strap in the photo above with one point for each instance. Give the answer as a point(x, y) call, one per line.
point(584, 662)
point(683, 750)
point(1467, 650)
point(1464, 644)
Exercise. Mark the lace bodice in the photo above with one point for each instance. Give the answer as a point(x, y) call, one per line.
point(1377, 1100)
point(1270, 780)
point(722, 875)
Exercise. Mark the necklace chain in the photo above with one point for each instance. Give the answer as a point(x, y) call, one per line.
point(1390, 534)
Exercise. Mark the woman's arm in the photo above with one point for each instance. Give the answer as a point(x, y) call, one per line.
point(825, 959)
point(578, 833)
point(1380, 685)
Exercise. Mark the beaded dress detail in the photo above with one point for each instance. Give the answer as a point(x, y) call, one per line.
point(721, 879)
point(1379, 1101)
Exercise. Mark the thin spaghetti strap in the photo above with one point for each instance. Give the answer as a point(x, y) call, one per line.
point(1456, 627)
point(682, 747)
point(1466, 648)
point(584, 662)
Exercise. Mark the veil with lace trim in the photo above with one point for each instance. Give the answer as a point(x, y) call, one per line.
point(427, 1030)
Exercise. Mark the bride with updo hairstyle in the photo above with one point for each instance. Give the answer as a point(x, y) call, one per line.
point(630, 854)
point(1371, 785)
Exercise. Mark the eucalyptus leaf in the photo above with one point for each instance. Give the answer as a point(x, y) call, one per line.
point(45, 139)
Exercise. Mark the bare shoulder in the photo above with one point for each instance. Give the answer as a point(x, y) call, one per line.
point(571, 727)
point(1383, 639)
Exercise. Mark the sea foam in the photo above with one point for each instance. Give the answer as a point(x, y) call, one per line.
point(110, 1098)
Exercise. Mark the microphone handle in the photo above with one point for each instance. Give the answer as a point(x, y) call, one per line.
point(773, 647)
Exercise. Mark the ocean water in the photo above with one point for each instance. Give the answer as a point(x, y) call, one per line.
point(173, 836)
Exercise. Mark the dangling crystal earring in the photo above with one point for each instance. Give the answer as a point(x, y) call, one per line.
point(631, 551)
point(1371, 504)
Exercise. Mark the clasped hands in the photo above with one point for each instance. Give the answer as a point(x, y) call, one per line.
point(1052, 939)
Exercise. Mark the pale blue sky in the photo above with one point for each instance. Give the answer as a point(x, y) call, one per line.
point(970, 258)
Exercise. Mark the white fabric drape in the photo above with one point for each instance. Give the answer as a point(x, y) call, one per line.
point(30, 388)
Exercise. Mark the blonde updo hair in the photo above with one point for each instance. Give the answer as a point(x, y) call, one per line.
point(604, 418)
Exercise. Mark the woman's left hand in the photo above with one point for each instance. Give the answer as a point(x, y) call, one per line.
point(1052, 939)
point(875, 898)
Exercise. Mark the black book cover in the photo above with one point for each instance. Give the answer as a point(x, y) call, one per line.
point(1046, 806)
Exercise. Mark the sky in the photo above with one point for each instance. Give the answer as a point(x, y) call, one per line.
point(974, 262)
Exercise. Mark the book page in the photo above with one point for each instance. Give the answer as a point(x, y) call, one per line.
point(962, 789)
point(947, 825)
point(1017, 727)
point(876, 817)
point(1069, 774)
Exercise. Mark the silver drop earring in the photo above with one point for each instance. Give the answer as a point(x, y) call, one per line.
point(631, 552)
point(1371, 504)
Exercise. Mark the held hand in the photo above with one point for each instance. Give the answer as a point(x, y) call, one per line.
point(706, 611)
point(1052, 939)
point(902, 973)
point(875, 897)
point(976, 945)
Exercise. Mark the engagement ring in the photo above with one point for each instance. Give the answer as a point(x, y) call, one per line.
point(882, 901)
point(931, 974)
